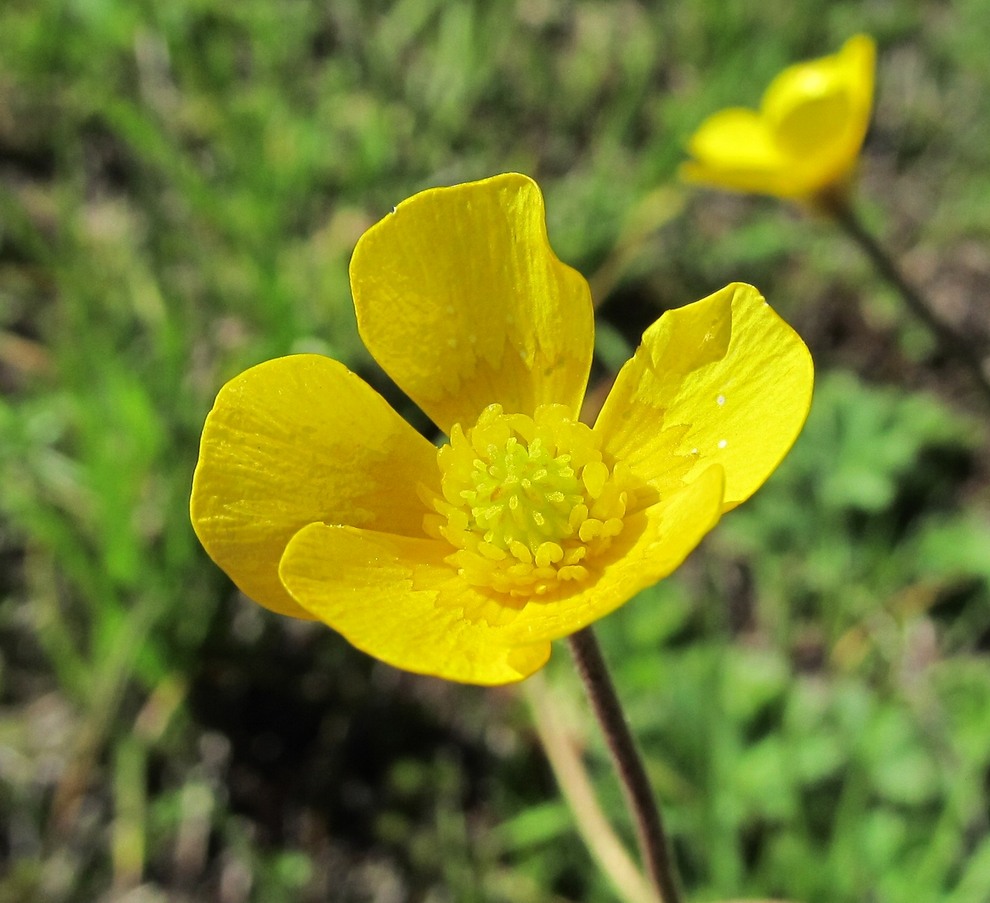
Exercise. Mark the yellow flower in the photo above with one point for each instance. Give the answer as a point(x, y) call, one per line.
point(805, 140)
point(465, 562)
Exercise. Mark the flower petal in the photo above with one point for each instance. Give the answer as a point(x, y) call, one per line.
point(725, 381)
point(396, 599)
point(461, 300)
point(734, 149)
point(293, 441)
point(818, 111)
point(654, 543)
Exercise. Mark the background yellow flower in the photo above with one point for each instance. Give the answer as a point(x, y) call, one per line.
point(804, 141)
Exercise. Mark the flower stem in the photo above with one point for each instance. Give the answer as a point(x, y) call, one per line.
point(649, 825)
point(951, 341)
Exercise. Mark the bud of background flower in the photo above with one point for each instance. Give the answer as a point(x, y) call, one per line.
point(804, 142)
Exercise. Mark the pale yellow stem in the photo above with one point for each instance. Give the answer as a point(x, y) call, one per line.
point(594, 828)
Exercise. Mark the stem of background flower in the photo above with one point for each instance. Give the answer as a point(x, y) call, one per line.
point(639, 795)
point(596, 831)
point(951, 341)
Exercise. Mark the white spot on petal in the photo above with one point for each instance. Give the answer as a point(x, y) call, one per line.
point(720, 399)
point(722, 443)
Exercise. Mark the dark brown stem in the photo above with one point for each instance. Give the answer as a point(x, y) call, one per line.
point(649, 825)
point(951, 342)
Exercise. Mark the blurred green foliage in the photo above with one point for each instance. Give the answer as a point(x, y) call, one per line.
point(181, 185)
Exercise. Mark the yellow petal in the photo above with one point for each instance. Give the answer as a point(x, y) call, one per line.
point(734, 149)
point(297, 440)
point(396, 599)
point(461, 300)
point(818, 111)
point(654, 542)
point(721, 381)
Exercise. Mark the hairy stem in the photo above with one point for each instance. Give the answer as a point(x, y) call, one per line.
point(639, 795)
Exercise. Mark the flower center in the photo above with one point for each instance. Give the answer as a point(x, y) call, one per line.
point(527, 501)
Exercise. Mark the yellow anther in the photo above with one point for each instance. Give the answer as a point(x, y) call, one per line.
point(548, 553)
point(594, 475)
point(490, 551)
point(590, 529)
point(572, 572)
point(521, 551)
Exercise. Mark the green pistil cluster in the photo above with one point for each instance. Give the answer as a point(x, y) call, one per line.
point(523, 495)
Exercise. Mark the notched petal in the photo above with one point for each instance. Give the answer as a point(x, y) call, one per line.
point(462, 301)
point(722, 381)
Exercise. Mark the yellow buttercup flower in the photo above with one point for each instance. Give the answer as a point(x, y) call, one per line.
point(465, 561)
point(805, 140)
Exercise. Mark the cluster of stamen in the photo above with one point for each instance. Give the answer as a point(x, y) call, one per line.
point(527, 501)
